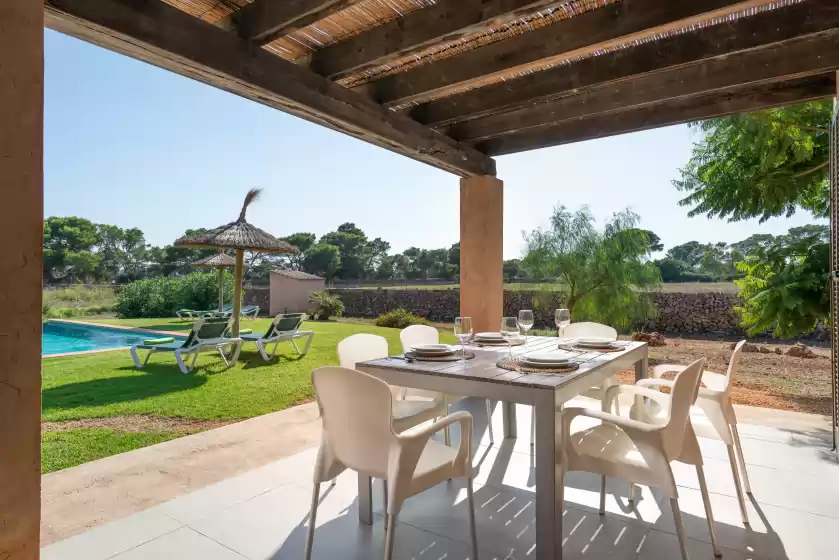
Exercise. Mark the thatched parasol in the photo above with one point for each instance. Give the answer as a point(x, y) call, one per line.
point(219, 261)
point(241, 236)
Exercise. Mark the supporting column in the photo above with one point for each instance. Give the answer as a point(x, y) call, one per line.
point(834, 263)
point(481, 257)
point(21, 272)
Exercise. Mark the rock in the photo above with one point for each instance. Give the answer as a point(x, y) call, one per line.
point(653, 338)
point(800, 350)
point(764, 350)
point(779, 351)
point(751, 348)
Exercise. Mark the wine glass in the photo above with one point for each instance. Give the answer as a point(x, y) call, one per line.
point(463, 332)
point(563, 319)
point(509, 330)
point(525, 321)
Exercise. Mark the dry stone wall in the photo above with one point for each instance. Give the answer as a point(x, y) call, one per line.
point(703, 314)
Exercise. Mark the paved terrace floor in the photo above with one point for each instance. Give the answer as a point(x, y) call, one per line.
point(262, 514)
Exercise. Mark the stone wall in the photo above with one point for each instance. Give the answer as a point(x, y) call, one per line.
point(258, 295)
point(704, 314)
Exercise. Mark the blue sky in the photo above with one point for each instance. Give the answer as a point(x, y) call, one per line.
point(133, 145)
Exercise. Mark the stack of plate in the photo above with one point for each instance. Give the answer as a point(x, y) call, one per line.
point(489, 338)
point(545, 360)
point(432, 349)
point(594, 343)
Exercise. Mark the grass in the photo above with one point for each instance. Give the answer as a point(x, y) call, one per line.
point(80, 296)
point(64, 449)
point(108, 385)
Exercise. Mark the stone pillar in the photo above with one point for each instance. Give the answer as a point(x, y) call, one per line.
point(21, 270)
point(481, 257)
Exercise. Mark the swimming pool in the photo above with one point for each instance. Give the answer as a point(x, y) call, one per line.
point(59, 338)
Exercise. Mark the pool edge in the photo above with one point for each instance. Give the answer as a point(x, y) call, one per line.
point(106, 326)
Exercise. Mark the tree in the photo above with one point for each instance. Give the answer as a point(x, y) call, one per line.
point(65, 242)
point(512, 269)
point(322, 259)
point(352, 247)
point(654, 241)
point(762, 164)
point(303, 241)
point(785, 287)
point(602, 271)
point(376, 251)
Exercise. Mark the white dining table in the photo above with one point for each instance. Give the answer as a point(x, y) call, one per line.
point(547, 392)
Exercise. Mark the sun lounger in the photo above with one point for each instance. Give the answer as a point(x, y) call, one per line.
point(205, 336)
point(284, 327)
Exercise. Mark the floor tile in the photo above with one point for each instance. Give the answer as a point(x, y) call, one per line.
point(183, 544)
point(111, 539)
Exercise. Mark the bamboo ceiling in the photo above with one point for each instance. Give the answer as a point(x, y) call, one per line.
point(498, 76)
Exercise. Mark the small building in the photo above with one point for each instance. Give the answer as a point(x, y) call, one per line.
point(290, 289)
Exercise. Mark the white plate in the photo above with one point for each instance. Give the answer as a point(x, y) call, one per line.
point(545, 365)
point(592, 340)
point(546, 358)
point(432, 349)
point(489, 336)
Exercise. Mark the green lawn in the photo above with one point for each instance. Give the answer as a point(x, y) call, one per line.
point(107, 385)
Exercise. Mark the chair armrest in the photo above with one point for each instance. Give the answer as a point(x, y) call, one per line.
point(660, 370)
point(637, 390)
point(418, 438)
point(716, 382)
point(655, 383)
point(639, 432)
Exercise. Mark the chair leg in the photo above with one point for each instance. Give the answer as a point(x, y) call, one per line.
point(384, 499)
point(630, 492)
point(447, 436)
point(310, 536)
point(680, 527)
point(473, 533)
point(296, 349)
point(603, 494)
point(391, 527)
point(741, 458)
point(741, 497)
point(489, 422)
point(709, 513)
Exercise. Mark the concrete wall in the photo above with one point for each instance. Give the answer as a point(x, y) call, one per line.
point(21, 264)
point(289, 295)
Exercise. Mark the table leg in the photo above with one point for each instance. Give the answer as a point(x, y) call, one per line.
point(365, 499)
point(509, 414)
point(548, 481)
point(641, 368)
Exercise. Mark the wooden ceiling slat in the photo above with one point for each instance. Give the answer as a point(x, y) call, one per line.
point(159, 34)
point(774, 26)
point(608, 27)
point(713, 105)
point(265, 20)
point(445, 21)
point(807, 56)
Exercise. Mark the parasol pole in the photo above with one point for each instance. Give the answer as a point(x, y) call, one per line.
point(220, 288)
point(237, 290)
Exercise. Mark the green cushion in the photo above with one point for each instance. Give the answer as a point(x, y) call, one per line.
point(245, 331)
point(186, 310)
point(162, 340)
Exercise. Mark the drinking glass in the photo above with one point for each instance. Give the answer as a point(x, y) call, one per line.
point(563, 319)
point(463, 332)
point(525, 321)
point(510, 330)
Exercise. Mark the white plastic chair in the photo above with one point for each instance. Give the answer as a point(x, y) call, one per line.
point(424, 334)
point(579, 330)
point(407, 412)
point(712, 417)
point(637, 451)
point(359, 434)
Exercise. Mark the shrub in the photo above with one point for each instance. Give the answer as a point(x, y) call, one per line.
point(399, 319)
point(326, 306)
point(80, 295)
point(162, 296)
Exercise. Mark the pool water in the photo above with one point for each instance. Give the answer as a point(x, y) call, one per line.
point(59, 338)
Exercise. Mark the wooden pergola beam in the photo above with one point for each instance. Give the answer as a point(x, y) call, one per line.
point(443, 22)
point(265, 20)
point(702, 107)
point(159, 34)
point(808, 56)
point(608, 27)
point(809, 17)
